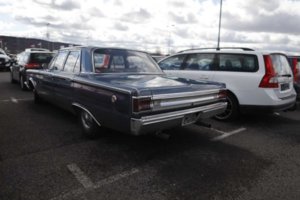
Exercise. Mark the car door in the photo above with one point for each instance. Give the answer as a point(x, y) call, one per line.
point(199, 66)
point(46, 86)
point(64, 79)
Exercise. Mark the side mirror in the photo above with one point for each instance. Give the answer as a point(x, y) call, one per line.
point(45, 66)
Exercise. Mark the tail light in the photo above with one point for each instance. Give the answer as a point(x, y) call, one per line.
point(270, 79)
point(295, 69)
point(222, 94)
point(32, 65)
point(142, 104)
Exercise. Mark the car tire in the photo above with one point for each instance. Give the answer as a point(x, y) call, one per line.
point(22, 84)
point(88, 124)
point(232, 109)
point(37, 98)
point(12, 80)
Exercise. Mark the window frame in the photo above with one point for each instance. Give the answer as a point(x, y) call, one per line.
point(77, 59)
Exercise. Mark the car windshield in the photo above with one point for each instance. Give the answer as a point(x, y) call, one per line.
point(41, 57)
point(124, 61)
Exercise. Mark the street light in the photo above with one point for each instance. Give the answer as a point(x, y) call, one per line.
point(220, 19)
point(169, 39)
point(48, 35)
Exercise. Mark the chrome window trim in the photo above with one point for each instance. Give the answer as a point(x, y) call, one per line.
point(90, 83)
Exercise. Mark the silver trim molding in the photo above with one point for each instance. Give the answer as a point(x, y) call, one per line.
point(83, 108)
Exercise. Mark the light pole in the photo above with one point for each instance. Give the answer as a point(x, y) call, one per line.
point(48, 35)
point(220, 20)
point(169, 39)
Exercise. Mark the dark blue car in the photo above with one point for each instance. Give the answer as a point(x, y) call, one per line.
point(124, 90)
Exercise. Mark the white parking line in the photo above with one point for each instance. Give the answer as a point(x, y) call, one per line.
point(14, 100)
point(227, 134)
point(80, 176)
point(103, 182)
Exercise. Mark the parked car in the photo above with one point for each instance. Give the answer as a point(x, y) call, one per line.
point(5, 61)
point(28, 59)
point(294, 61)
point(256, 80)
point(124, 90)
point(157, 58)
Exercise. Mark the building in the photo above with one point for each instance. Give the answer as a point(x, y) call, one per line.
point(15, 45)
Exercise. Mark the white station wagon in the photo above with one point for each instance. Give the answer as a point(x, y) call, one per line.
point(256, 80)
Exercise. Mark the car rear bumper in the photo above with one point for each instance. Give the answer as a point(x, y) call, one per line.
point(266, 109)
point(297, 89)
point(158, 122)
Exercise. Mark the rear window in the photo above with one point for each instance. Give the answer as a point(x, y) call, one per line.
point(280, 64)
point(41, 57)
point(121, 61)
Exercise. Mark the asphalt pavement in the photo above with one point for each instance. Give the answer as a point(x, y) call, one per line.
point(43, 155)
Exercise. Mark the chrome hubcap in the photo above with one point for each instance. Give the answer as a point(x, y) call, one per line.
point(86, 119)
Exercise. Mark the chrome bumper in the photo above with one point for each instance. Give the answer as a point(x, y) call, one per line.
point(162, 121)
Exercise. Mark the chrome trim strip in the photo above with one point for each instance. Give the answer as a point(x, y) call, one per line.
point(83, 108)
point(90, 83)
point(186, 101)
point(137, 124)
point(185, 94)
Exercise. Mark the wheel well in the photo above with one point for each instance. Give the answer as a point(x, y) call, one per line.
point(77, 108)
point(232, 94)
point(30, 84)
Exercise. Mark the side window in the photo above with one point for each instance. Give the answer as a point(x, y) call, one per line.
point(172, 63)
point(59, 61)
point(200, 62)
point(71, 61)
point(238, 62)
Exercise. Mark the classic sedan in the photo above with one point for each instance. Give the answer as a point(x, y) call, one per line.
point(124, 90)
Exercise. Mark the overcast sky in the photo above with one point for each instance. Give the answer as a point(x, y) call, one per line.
point(156, 24)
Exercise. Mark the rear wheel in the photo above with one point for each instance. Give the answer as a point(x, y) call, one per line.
point(231, 111)
point(37, 98)
point(88, 124)
point(22, 84)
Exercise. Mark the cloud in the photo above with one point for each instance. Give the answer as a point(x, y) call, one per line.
point(60, 4)
point(120, 27)
point(95, 12)
point(81, 25)
point(190, 18)
point(140, 16)
point(177, 4)
point(276, 23)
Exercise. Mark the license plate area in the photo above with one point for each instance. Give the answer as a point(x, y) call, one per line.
point(189, 119)
point(284, 86)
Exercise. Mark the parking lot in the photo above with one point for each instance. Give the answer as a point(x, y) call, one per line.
point(43, 155)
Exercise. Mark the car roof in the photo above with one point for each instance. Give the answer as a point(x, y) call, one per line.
point(243, 50)
point(97, 47)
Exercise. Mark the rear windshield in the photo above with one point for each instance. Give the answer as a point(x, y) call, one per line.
point(280, 64)
point(123, 61)
point(41, 57)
